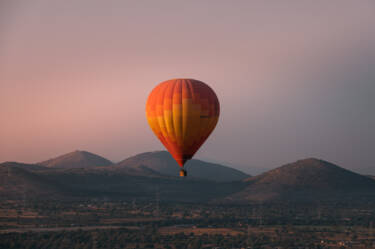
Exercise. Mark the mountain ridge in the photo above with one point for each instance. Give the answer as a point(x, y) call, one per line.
point(76, 159)
point(161, 162)
point(140, 176)
point(305, 180)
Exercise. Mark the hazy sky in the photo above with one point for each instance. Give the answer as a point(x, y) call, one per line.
point(295, 79)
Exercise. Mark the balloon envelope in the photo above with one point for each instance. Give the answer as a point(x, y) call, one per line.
point(182, 113)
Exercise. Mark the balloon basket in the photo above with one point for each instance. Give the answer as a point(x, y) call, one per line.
point(183, 173)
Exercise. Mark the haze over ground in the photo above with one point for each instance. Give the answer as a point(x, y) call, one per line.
point(294, 80)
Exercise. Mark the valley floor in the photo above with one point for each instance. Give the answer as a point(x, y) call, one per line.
point(104, 224)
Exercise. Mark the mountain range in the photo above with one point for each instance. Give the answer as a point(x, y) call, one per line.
point(82, 174)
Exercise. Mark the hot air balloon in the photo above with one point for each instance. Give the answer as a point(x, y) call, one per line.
point(182, 113)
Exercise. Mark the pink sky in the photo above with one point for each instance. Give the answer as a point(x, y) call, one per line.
point(294, 79)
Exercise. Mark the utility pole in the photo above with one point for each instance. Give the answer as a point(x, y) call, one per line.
point(371, 229)
point(319, 210)
point(260, 215)
point(157, 197)
point(319, 213)
point(133, 205)
point(248, 230)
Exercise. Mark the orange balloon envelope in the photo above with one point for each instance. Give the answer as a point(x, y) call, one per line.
point(182, 113)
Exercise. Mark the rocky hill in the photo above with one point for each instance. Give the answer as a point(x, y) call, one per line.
point(77, 159)
point(306, 180)
point(19, 180)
